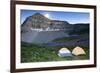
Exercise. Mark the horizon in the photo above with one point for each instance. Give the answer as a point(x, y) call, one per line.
point(70, 17)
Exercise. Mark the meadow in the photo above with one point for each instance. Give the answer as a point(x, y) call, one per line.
point(36, 53)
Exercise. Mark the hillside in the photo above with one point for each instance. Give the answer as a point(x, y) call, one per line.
point(79, 29)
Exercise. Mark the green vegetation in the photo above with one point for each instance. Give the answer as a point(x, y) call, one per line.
point(80, 29)
point(35, 53)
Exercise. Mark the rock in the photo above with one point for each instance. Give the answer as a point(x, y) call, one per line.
point(64, 52)
point(78, 51)
point(39, 29)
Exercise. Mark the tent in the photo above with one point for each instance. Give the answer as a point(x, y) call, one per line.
point(64, 52)
point(78, 51)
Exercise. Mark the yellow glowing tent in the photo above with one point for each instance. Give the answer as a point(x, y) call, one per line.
point(78, 51)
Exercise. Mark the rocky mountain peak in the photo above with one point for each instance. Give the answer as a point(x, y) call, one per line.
point(39, 16)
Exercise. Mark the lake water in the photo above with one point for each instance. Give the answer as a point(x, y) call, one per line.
point(40, 36)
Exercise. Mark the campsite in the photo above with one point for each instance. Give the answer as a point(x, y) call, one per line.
point(34, 53)
point(43, 40)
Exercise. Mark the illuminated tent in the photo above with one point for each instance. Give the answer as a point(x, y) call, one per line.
point(78, 51)
point(63, 52)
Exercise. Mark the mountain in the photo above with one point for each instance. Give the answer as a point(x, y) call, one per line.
point(38, 20)
point(66, 30)
point(79, 29)
point(35, 17)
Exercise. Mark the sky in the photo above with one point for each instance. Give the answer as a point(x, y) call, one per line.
point(71, 17)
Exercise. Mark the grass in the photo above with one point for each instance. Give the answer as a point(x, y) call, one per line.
point(36, 53)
